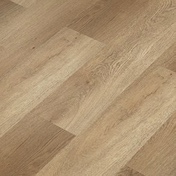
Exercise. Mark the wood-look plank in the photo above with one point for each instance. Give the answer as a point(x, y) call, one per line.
point(24, 3)
point(103, 70)
point(96, 20)
point(125, 21)
point(31, 81)
point(34, 27)
point(127, 171)
point(107, 146)
point(30, 145)
point(98, 83)
point(158, 156)
point(17, 37)
point(71, 105)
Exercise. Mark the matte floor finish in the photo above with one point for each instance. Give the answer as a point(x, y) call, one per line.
point(88, 88)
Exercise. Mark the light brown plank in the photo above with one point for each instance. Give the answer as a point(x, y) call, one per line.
point(103, 19)
point(121, 23)
point(34, 27)
point(30, 82)
point(107, 146)
point(103, 70)
point(86, 94)
point(158, 156)
point(29, 145)
point(127, 171)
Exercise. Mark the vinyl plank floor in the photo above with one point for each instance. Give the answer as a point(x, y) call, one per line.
point(32, 81)
point(34, 27)
point(110, 21)
point(98, 83)
point(87, 88)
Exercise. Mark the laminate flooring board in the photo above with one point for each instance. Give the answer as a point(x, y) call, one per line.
point(95, 20)
point(34, 27)
point(97, 84)
point(19, 38)
point(29, 145)
point(126, 23)
point(130, 121)
point(158, 156)
point(87, 87)
point(32, 81)
point(66, 106)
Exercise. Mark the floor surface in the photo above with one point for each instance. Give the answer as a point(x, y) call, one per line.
point(88, 88)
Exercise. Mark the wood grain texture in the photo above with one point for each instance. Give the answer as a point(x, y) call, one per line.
point(121, 130)
point(98, 83)
point(110, 21)
point(34, 27)
point(30, 82)
point(87, 88)
point(103, 16)
point(29, 145)
point(158, 156)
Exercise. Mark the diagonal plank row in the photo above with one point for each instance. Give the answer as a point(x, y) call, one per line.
point(32, 28)
point(77, 103)
point(32, 80)
point(103, 70)
point(131, 120)
point(126, 24)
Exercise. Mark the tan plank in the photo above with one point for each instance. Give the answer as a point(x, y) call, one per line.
point(30, 145)
point(99, 21)
point(158, 156)
point(121, 23)
point(127, 171)
point(17, 37)
point(30, 82)
point(107, 146)
point(87, 93)
point(63, 77)
point(34, 27)
point(24, 3)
